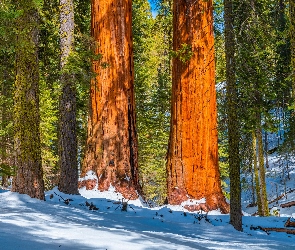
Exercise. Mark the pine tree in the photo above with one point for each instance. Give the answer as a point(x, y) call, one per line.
point(111, 149)
point(192, 165)
point(29, 174)
point(68, 182)
point(232, 118)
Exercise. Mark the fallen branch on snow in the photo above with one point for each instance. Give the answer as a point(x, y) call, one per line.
point(288, 204)
point(276, 229)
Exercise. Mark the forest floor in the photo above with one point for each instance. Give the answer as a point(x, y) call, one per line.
point(95, 220)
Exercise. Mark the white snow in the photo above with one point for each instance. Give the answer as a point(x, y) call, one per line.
point(27, 223)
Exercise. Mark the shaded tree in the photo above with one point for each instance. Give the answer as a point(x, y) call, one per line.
point(232, 118)
point(29, 174)
point(68, 182)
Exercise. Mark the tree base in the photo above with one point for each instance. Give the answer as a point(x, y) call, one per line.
point(123, 187)
point(213, 201)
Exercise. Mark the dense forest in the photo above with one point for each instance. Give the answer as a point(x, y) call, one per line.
point(172, 103)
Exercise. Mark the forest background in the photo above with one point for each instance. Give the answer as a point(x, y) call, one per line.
point(264, 78)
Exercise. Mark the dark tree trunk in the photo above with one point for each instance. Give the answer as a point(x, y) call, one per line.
point(292, 35)
point(256, 173)
point(232, 119)
point(29, 175)
point(68, 182)
point(112, 142)
point(192, 166)
point(264, 202)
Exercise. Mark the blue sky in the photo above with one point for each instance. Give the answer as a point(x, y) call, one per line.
point(153, 5)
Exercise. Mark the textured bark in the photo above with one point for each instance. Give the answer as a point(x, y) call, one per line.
point(264, 202)
point(292, 35)
point(232, 119)
point(192, 164)
point(29, 175)
point(112, 142)
point(256, 173)
point(68, 182)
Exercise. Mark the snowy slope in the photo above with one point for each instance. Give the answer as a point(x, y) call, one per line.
point(27, 223)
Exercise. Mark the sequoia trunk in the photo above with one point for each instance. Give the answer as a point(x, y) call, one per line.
point(29, 175)
point(112, 143)
point(192, 166)
point(68, 182)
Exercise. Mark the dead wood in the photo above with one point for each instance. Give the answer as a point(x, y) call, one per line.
point(276, 229)
point(289, 223)
point(288, 204)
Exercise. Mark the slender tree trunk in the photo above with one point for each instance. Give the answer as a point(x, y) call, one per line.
point(264, 202)
point(266, 150)
point(29, 175)
point(4, 121)
point(292, 35)
point(256, 173)
point(192, 163)
point(112, 141)
point(232, 119)
point(68, 182)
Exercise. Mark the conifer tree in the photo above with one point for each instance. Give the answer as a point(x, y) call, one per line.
point(192, 163)
point(232, 118)
point(29, 174)
point(292, 35)
point(111, 150)
point(68, 182)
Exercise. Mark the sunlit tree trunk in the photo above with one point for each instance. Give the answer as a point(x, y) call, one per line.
point(68, 182)
point(29, 175)
point(112, 142)
point(192, 164)
point(232, 119)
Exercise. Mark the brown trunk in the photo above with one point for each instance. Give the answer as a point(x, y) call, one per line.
point(192, 166)
point(29, 174)
point(112, 143)
point(68, 182)
point(292, 36)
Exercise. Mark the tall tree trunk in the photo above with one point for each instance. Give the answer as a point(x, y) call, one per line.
point(292, 35)
point(68, 182)
point(264, 202)
point(232, 119)
point(256, 173)
point(29, 175)
point(192, 164)
point(112, 141)
point(4, 121)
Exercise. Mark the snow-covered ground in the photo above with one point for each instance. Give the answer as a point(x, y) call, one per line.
point(27, 223)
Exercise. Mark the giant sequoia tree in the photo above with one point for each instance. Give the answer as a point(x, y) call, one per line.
point(111, 149)
point(192, 165)
point(29, 175)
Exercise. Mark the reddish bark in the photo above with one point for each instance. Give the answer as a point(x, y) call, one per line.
point(89, 184)
point(192, 165)
point(112, 143)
